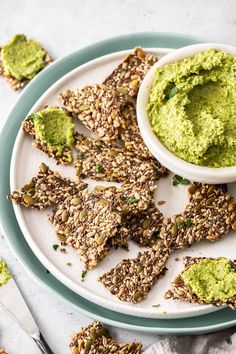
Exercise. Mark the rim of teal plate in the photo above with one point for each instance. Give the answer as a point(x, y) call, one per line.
point(202, 324)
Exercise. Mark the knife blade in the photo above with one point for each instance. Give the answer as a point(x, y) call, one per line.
point(13, 302)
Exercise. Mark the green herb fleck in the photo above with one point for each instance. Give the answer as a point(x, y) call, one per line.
point(83, 274)
point(99, 168)
point(157, 305)
point(55, 247)
point(98, 146)
point(83, 154)
point(188, 221)
point(130, 200)
point(179, 224)
point(180, 180)
point(228, 340)
point(171, 93)
point(32, 116)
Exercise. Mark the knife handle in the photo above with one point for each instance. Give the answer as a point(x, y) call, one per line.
point(42, 345)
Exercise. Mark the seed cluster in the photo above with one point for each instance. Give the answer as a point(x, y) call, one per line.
point(209, 215)
point(15, 83)
point(101, 162)
point(132, 279)
point(46, 189)
point(95, 339)
point(62, 155)
point(180, 291)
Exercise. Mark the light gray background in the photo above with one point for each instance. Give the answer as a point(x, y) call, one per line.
point(64, 26)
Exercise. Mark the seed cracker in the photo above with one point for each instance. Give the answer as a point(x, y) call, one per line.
point(209, 215)
point(180, 291)
point(127, 77)
point(144, 228)
point(19, 84)
point(90, 224)
point(98, 107)
point(62, 156)
point(95, 339)
point(131, 136)
point(132, 279)
point(46, 189)
point(101, 162)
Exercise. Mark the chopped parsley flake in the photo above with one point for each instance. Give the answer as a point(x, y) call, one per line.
point(55, 247)
point(99, 168)
point(83, 274)
point(180, 180)
point(130, 200)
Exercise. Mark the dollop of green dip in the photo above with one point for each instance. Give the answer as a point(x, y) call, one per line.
point(192, 108)
point(5, 274)
point(54, 127)
point(22, 58)
point(211, 280)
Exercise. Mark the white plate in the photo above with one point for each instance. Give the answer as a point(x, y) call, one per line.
point(40, 234)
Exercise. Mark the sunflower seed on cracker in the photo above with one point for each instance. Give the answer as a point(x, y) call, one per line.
point(209, 215)
point(113, 163)
point(14, 82)
point(180, 291)
point(127, 77)
point(46, 189)
point(132, 279)
point(95, 339)
point(98, 108)
point(144, 228)
point(90, 224)
point(51, 120)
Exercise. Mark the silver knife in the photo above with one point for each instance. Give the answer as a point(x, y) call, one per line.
point(15, 305)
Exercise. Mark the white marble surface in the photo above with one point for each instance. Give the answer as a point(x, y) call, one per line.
point(63, 26)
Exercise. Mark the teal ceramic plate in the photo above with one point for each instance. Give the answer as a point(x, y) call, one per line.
point(206, 323)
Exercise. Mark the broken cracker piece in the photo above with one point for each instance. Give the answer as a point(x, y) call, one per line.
point(46, 189)
point(180, 291)
point(132, 279)
point(112, 163)
point(127, 77)
point(98, 108)
point(90, 224)
point(95, 339)
point(209, 215)
point(56, 133)
point(27, 65)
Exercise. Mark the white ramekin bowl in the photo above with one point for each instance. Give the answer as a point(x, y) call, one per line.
point(167, 158)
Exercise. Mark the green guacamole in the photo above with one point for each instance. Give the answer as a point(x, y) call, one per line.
point(192, 108)
point(211, 280)
point(5, 274)
point(54, 127)
point(22, 58)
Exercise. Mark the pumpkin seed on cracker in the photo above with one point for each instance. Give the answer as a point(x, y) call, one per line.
point(127, 77)
point(21, 59)
point(95, 339)
point(205, 281)
point(132, 279)
point(52, 130)
point(46, 189)
point(98, 107)
point(209, 215)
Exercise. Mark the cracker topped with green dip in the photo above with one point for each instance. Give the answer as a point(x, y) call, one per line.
point(21, 59)
point(192, 108)
point(53, 132)
point(206, 281)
